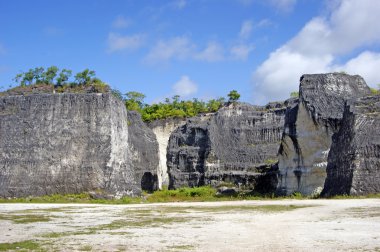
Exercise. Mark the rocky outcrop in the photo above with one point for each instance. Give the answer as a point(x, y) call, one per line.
point(236, 145)
point(162, 130)
point(309, 126)
point(66, 143)
point(143, 152)
point(354, 159)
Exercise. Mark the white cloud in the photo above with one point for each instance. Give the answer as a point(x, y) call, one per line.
point(316, 47)
point(367, 64)
point(179, 48)
point(121, 22)
point(246, 29)
point(241, 52)
point(185, 87)
point(182, 48)
point(117, 42)
point(212, 53)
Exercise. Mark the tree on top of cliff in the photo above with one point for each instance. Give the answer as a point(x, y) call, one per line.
point(39, 80)
point(233, 96)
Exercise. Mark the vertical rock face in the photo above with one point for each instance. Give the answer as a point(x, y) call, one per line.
point(309, 126)
point(162, 130)
point(64, 143)
point(236, 145)
point(142, 152)
point(354, 159)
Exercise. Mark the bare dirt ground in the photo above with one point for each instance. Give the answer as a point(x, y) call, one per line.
point(279, 225)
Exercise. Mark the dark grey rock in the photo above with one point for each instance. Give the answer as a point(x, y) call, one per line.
point(143, 152)
point(65, 143)
point(236, 145)
point(354, 159)
point(309, 125)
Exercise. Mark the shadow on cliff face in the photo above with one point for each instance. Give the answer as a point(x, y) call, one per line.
point(149, 182)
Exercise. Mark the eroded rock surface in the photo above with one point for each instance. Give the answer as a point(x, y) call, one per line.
point(64, 143)
point(143, 152)
point(309, 125)
point(354, 159)
point(236, 145)
point(162, 130)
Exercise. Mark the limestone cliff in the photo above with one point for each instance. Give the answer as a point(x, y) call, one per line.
point(143, 152)
point(309, 126)
point(238, 145)
point(354, 159)
point(65, 143)
point(162, 130)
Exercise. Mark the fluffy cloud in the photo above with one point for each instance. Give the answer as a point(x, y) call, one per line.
point(318, 45)
point(117, 42)
point(185, 87)
point(121, 22)
point(367, 64)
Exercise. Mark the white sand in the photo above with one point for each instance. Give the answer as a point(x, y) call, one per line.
point(328, 225)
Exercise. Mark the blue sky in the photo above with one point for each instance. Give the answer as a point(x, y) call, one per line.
point(194, 48)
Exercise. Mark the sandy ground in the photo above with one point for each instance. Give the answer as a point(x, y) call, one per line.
point(295, 225)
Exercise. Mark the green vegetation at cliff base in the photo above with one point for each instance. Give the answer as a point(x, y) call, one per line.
point(186, 194)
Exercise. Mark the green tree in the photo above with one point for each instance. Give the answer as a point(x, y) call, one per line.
point(233, 96)
point(18, 78)
point(28, 78)
point(38, 74)
point(63, 77)
point(84, 77)
point(294, 94)
point(134, 100)
point(49, 75)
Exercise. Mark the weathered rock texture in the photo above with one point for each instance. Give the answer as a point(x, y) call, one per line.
point(236, 145)
point(354, 159)
point(162, 130)
point(65, 143)
point(142, 152)
point(309, 125)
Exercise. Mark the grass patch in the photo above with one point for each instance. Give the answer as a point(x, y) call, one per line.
point(153, 221)
point(261, 208)
point(364, 212)
point(22, 245)
point(181, 247)
point(85, 248)
point(368, 196)
point(204, 193)
point(25, 218)
point(64, 234)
